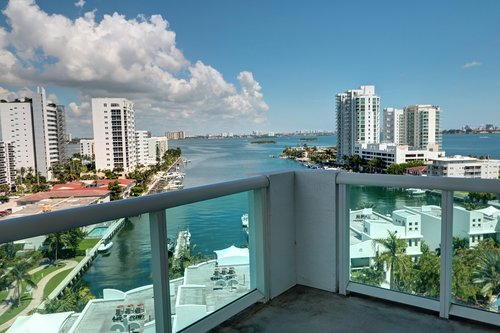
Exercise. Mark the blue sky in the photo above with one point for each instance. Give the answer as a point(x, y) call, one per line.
point(235, 66)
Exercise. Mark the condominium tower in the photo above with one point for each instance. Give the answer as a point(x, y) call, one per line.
point(393, 127)
point(358, 113)
point(422, 126)
point(36, 129)
point(114, 133)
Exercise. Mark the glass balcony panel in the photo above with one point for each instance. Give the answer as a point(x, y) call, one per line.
point(395, 234)
point(216, 268)
point(101, 271)
point(476, 250)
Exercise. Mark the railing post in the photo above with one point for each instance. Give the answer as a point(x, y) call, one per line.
point(159, 268)
point(258, 241)
point(446, 254)
point(343, 237)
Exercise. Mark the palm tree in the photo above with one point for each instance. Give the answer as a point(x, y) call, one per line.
point(57, 241)
point(22, 171)
point(487, 273)
point(19, 273)
point(394, 258)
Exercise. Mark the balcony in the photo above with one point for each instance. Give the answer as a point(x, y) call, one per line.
point(309, 245)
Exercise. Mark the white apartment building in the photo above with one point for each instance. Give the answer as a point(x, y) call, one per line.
point(87, 147)
point(464, 167)
point(36, 128)
point(7, 163)
point(157, 147)
point(367, 225)
point(422, 126)
point(113, 123)
point(474, 225)
point(393, 127)
point(142, 147)
point(358, 113)
point(392, 153)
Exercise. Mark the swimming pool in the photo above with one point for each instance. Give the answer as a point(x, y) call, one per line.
point(97, 232)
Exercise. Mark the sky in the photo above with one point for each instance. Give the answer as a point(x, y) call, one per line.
point(242, 66)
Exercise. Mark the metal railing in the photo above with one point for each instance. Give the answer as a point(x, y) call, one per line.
point(447, 186)
point(155, 205)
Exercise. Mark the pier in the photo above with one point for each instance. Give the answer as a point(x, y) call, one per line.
point(84, 264)
point(183, 243)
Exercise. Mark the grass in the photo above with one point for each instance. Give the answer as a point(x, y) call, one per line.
point(3, 294)
point(44, 272)
point(14, 311)
point(55, 281)
point(87, 243)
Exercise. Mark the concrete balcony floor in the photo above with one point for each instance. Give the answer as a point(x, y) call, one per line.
point(304, 309)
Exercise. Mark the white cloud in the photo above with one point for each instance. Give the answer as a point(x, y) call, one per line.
point(472, 64)
point(135, 58)
point(80, 3)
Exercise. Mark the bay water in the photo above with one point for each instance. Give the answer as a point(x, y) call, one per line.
point(216, 224)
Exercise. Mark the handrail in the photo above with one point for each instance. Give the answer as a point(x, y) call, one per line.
point(431, 183)
point(12, 229)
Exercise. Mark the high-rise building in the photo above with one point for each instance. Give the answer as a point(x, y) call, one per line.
point(422, 126)
point(358, 113)
point(179, 135)
point(113, 122)
point(87, 148)
point(36, 128)
point(7, 163)
point(393, 127)
point(157, 146)
point(142, 147)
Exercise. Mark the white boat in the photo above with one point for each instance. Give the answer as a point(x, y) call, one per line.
point(244, 221)
point(415, 191)
point(105, 247)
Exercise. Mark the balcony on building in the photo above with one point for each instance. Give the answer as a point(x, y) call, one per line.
point(308, 247)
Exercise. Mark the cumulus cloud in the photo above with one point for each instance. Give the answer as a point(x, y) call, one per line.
point(80, 3)
point(471, 64)
point(135, 58)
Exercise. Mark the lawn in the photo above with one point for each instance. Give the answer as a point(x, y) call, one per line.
point(87, 243)
point(47, 270)
point(3, 294)
point(12, 312)
point(54, 282)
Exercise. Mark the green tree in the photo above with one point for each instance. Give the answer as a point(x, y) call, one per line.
point(365, 204)
point(487, 273)
point(72, 300)
point(394, 259)
point(55, 243)
point(426, 275)
point(116, 190)
point(19, 274)
point(373, 275)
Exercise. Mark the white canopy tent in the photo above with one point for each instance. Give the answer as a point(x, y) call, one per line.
point(48, 323)
point(232, 256)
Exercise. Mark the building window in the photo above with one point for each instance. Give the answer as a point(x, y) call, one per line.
point(105, 105)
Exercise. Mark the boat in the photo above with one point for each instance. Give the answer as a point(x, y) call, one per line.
point(244, 222)
point(170, 246)
point(105, 246)
point(415, 191)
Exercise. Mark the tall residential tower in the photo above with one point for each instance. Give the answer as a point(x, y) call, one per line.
point(36, 129)
point(113, 122)
point(358, 113)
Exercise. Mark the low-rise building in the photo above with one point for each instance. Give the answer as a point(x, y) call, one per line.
point(367, 226)
point(392, 153)
point(464, 167)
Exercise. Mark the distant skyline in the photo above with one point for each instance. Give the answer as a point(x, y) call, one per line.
point(232, 66)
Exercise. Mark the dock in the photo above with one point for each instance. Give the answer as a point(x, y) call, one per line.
point(85, 263)
point(183, 243)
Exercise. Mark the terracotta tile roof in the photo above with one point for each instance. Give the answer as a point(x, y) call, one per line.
point(65, 194)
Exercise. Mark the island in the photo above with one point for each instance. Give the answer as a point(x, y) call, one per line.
point(263, 142)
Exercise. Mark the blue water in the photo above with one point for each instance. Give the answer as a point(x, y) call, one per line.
point(97, 232)
point(216, 224)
